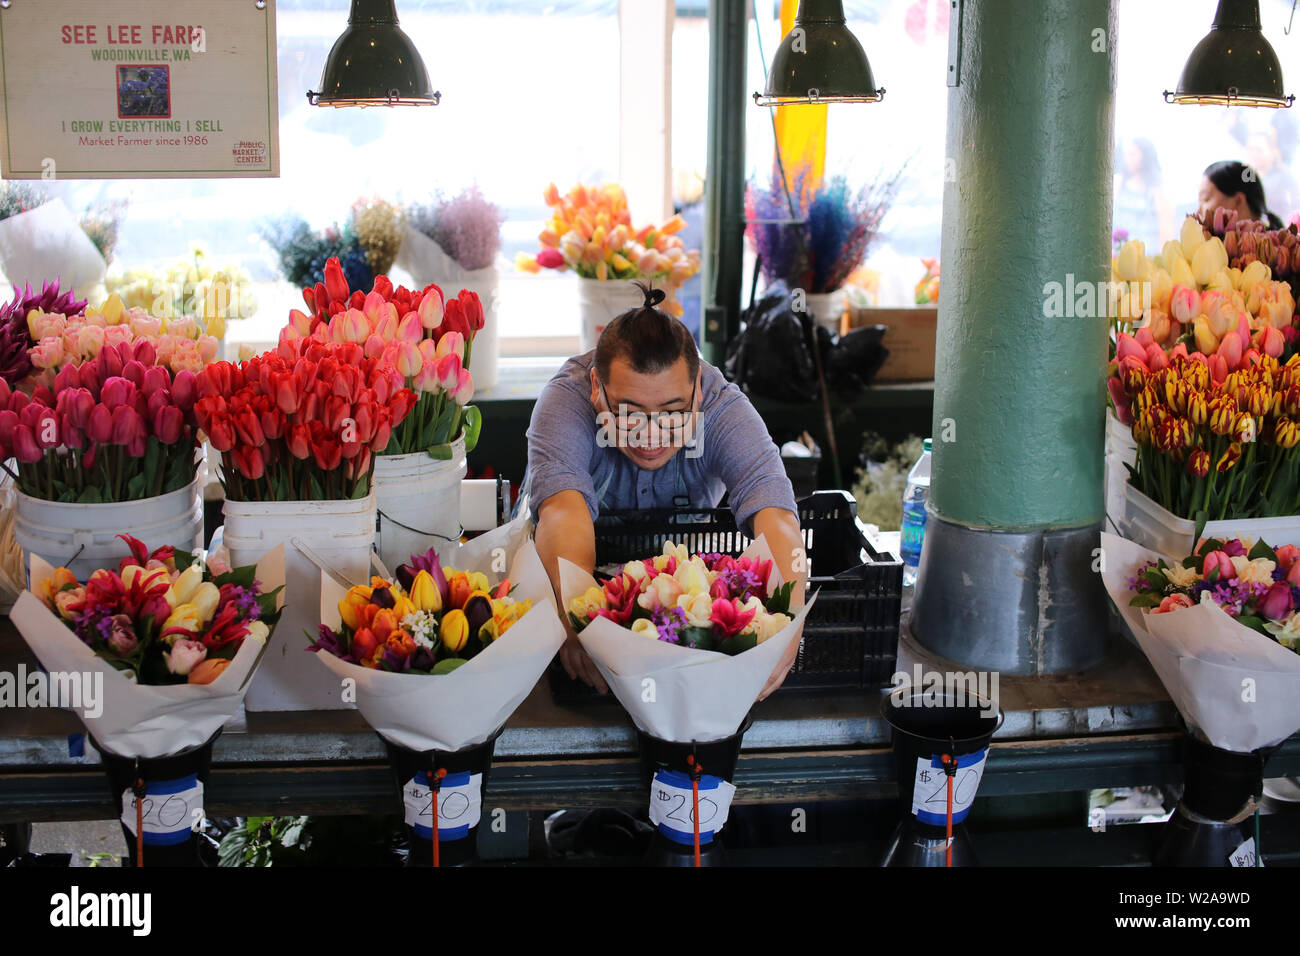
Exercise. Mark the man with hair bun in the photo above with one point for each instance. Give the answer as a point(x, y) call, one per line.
point(642, 422)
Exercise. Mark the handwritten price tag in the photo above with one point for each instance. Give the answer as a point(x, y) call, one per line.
point(171, 809)
point(930, 789)
point(1244, 855)
point(672, 806)
point(460, 803)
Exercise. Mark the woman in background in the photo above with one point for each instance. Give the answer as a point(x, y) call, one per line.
point(1141, 207)
point(1236, 186)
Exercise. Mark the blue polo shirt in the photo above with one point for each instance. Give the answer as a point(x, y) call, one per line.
point(733, 453)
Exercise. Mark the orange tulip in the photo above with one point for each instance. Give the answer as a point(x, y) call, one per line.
point(385, 623)
point(364, 643)
point(208, 670)
point(458, 590)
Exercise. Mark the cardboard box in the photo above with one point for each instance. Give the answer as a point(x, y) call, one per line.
point(910, 340)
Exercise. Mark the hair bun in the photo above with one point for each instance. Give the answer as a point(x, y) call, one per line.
point(653, 297)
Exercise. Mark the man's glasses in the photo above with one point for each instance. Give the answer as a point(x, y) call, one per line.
point(639, 429)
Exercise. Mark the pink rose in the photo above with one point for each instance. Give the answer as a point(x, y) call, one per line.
point(1173, 602)
point(217, 567)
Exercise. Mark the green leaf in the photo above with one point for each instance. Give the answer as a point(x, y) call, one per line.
point(1262, 550)
point(739, 643)
point(1148, 599)
point(441, 452)
point(473, 425)
point(700, 638)
point(779, 602)
point(1200, 517)
point(448, 665)
point(1254, 623)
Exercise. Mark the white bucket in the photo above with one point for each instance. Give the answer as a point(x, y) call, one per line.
point(1152, 526)
point(84, 538)
point(600, 302)
point(417, 499)
point(341, 534)
point(1121, 450)
point(826, 309)
point(487, 342)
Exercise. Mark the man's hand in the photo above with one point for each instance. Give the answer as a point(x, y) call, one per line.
point(579, 665)
point(785, 539)
point(565, 529)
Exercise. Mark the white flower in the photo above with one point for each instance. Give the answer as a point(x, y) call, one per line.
point(1287, 633)
point(646, 628)
point(1180, 576)
point(698, 608)
point(423, 628)
point(635, 570)
point(770, 625)
point(693, 576)
point(679, 551)
point(1259, 571)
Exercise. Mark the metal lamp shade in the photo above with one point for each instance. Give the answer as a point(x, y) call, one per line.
point(1233, 65)
point(819, 61)
point(373, 63)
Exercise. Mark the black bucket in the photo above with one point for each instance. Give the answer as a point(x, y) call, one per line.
point(675, 761)
point(1221, 791)
point(172, 793)
point(418, 770)
point(926, 726)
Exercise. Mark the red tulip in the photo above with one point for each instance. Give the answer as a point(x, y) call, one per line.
point(249, 461)
point(248, 426)
point(473, 309)
point(328, 452)
point(550, 259)
point(221, 431)
point(127, 425)
point(77, 406)
point(335, 282)
point(272, 423)
point(133, 372)
point(73, 438)
point(18, 401)
point(400, 405)
point(109, 362)
point(298, 438)
point(384, 286)
point(155, 377)
point(168, 422)
point(284, 390)
point(24, 445)
point(144, 352)
point(335, 412)
point(117, 391)
point(68, 377)
point(363, 413)
point(1277, 602)
point(383, 430)
point(454, 320)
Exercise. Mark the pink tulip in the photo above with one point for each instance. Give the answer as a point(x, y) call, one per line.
point(117, 391)
point(8, 422)
point(1277, 603)
point(426, 380)
point(409, 361)
point(133, 372)
point(409, 328)
point(374, 346)
point(184, 390)
point(1126, 345)
point(1144, 338)
point(1230, 351)
point(451, 342)
point(1271, 341)
point(99, 427)
point(1218, 368)
point(24, 445)
point(167, 424)
point(1220, 562)
point(1157, 359)
point(184, 654)
point(449, 371)
point(464, 389)
point(1184, 304)
point(1293, 575)
point(127, 425)
point(431, 309)
point(375, 308)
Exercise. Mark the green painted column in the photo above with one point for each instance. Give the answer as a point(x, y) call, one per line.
point(1019, 395)
point(1007, 580)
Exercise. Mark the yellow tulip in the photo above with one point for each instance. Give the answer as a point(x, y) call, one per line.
point(112, 309)
point(645, 627)
point(402, 606)
point(1181, 273)
point(187, 618)
point(592, 600)
point(356, 598)
point(602, 271)
point(183, 588)
point(526, 263)
point(425, 594)
point(1191, 237)
point(205, 599)
point(454, 630)
point(1132, 257)
point(1172, 252)
point(1206, 341)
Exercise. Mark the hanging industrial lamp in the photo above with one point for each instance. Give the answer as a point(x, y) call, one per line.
point(819, 61)
point(1233, 65)
point(373, 63)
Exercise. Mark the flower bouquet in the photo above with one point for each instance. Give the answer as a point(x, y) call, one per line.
point(155, 655)
point(686, 643)
point(41, 239)
point(590, 231)
point(455, 243)
point(927, 290)
point(439, 659)
point(1219, 628)
point(813, 238)
point(430, 342)
point(191, 286)
point(365, 246)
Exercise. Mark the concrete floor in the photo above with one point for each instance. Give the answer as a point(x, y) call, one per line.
point(86, 840)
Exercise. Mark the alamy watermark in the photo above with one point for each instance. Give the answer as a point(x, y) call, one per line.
point(922, 688)
point(77, 690)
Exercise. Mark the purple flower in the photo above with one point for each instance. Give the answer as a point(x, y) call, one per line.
point(15, 337)
point(327, 640)
point(670, 623)
point(121, 637)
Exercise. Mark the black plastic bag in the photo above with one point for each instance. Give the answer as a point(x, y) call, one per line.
point(772, 356)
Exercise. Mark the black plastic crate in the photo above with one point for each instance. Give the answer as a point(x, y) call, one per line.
point(850, 638)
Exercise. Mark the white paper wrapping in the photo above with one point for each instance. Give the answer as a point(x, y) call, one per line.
point(1240, 689)
point(452, 711)
point(48, 243)
point(680, 693)
point(138, 720)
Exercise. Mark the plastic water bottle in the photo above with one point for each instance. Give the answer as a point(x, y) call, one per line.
point(913, 530)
